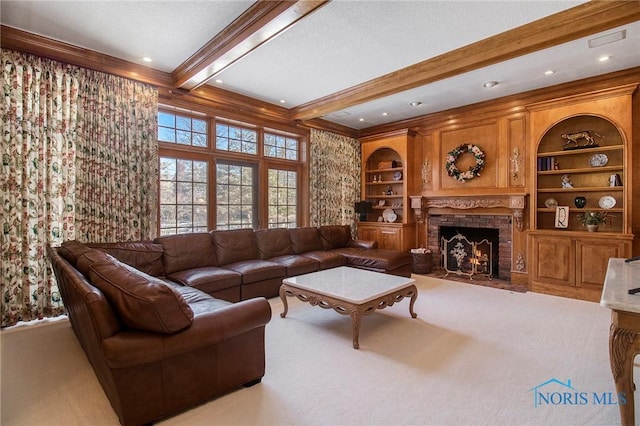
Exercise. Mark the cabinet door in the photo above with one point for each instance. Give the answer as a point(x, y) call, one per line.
point(368, 233)
point(391, 238)
point(553, 260)
point(592, 259)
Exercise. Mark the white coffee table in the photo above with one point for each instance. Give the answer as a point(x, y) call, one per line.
point(349, 291)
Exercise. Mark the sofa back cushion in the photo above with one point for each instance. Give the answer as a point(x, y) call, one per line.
point(335, 236)
point(72, 250)
point(92, 316)
point(142, 301)
point(187, 251)
point(145, 256)
point(235, 245)
point(273, 242)
point(305, 240)
point(88, 258)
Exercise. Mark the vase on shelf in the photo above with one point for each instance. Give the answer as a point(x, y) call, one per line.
point(580, 202)
point(592, 228)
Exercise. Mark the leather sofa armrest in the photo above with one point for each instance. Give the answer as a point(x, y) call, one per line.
point(133, 347)
point(363, 244)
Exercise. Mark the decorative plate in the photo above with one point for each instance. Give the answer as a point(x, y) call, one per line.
point(397, 176)
point(389, 215)
point(551, 203)
point(607, 202)
point(598, 160)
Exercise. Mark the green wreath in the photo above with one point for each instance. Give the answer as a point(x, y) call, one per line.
point(474, 171)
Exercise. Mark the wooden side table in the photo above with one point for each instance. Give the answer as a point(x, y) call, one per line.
point(624, 335)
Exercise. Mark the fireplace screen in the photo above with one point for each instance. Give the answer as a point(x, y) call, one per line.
point(464, 257)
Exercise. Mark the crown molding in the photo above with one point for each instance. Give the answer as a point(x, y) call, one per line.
point(15, 39)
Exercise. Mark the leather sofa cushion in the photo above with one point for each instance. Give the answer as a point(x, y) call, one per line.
point(257, 270)
point(379, 259)
point(296, 264)
point(335, 236)
point(327, 259)
point(235, 245)
point(145, 256)
point(273, 242)
point(305, 240)
point(198, 301)
point(187, 251)
point(72, 250)
point(208, 279)
point(89, 257)
point(142, 301)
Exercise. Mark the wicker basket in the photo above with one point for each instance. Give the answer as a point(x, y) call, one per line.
point(421, 263)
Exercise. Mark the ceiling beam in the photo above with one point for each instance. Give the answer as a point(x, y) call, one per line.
point(580, 21)
point(263, 21)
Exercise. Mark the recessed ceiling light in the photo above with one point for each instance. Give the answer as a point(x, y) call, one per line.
point(147, 59)
point(415, 103)
point(549, 72)
point(385, 113)
point(219, 81)
point(282, 101)
point(490, 84)
point(362, 119)
point(604, 58)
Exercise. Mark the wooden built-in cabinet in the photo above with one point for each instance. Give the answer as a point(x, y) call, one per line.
point(571, 261)
point(573, 264)
point(390, 236)
point(387, 179)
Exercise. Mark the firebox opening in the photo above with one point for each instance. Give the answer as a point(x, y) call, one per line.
point(476, 235)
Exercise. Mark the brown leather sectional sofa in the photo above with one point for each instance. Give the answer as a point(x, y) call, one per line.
point(240, 264)
point(170, 324)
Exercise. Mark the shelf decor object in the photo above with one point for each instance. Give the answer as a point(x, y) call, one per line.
point(598, 160)
point(592, 219)
point(607, 202)
point(474, 171)
point(580, 202)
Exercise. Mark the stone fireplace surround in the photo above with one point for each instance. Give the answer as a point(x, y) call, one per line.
point(502, 212)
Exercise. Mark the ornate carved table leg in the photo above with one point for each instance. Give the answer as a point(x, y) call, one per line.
point(356, 319)
point(624, 345)
point(283, 296)
point(414, 297)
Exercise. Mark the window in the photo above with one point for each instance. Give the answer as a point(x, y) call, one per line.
point(183, 196)
point(280, 146)
point(208, 185)
point(283, 198)
point(182, 129)
point(236, 139)
point(235, 196)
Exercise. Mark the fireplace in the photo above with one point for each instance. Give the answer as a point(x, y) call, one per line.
point(470, 251)
point(501, 215)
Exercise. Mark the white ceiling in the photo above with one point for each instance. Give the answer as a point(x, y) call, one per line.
point(340, 45)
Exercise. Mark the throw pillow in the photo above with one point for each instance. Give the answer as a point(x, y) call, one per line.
point(142, 302)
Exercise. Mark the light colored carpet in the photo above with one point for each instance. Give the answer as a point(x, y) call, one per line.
point(472, 357)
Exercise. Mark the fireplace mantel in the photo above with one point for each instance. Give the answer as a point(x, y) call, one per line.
point(516, 203)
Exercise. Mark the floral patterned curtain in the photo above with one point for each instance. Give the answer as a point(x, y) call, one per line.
point(39, 108)
point(335, 178)
point(79, 161)
point(117, 165)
